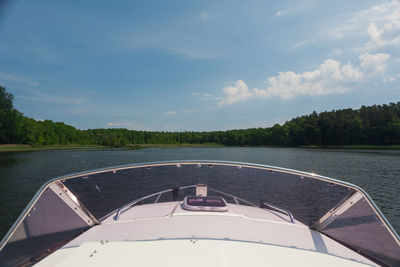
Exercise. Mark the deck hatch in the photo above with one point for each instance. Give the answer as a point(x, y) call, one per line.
point(198, 203)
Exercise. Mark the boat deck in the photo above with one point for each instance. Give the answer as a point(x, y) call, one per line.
point(165, 228)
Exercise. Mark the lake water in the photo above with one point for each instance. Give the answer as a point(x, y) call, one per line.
point(376, 171)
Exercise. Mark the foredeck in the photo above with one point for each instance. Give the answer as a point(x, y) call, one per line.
point(254, 233)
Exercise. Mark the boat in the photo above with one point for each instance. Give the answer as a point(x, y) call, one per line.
point(200, 213)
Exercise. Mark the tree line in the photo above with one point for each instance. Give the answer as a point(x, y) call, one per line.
point(369, 125)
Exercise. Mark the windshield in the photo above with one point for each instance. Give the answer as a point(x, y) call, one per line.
point(67, 206)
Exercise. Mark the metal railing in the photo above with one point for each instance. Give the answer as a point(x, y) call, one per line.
point(175, 194)
point(158, 194)
point(264, 205)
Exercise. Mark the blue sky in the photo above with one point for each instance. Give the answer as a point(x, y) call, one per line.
point(197, 65)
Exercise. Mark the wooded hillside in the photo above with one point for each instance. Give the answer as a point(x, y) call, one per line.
point(372, 125)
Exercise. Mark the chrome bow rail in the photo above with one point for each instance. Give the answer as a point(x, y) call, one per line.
point(266, 205)
point(175, 195)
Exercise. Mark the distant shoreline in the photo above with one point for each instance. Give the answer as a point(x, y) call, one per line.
point(22, 147)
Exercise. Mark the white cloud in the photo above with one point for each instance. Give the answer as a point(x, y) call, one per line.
point(383, 36)
point(235, 93)
point(380, 24)
point(331, 77)
point(201, 95)
point(170, 112)
point(327, 79)
point(391, 78)
point(374, 64)
point(384, 26)
point(300, 44)
point(127, 125)
point(284, 12)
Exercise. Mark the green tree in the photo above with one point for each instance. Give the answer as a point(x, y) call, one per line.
point(10, 119)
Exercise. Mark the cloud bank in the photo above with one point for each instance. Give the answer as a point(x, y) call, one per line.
point(380, 24)
point(331, 77)
point(235, 93)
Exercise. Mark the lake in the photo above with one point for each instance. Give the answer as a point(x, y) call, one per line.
point(376, 171)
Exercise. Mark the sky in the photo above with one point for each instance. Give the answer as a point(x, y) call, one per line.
point(197, 65)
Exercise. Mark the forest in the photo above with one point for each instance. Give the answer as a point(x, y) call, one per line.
point(368, 125)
